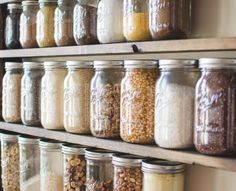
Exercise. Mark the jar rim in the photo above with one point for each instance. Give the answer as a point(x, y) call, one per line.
point(49, 144)
point(54, 64)
point(79, 64)
point(217, 63)
point(47, 1)
point(13, 65)
point(93, 3)
point(9, 136)
point(141, 64)
point(98, 154)
point(32, 65)
point(108, 64)
point(25, 139)
point(68, 148)
point(127, 160)
point(178, 63)
point(30, 2)
point(14, 6)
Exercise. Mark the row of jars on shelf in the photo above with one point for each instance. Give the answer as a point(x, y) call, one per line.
point(46, 165)
point(136, 104)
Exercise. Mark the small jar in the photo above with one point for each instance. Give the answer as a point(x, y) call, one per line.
point(63, 24)
point(215, 107)
point(85, 22)
point(74, 167)
point(51, 166)
point(12, 26)
point(169, 19)
point(29, 163)
point(10, 162)
point(105, 99)
point(31, 93)
point(162, 175)
point(110, 21)
point(77, 97)
point(174, 107)
point(28, 24)
point(45, 23)
point(136, 20)
point(11, 95)
point(137, 101)
point(52, 95)
point(127, 172)
point(99, 173)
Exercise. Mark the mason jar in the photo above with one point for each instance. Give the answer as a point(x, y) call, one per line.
point(31, 93)
point(174, 103)
point(11, 94)
point(137, 101)
point(52, 95)
point(215, 107)
point(29, 163)
point(77, 97)
point(105, 99)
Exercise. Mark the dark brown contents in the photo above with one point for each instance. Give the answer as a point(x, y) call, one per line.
point(93, 185)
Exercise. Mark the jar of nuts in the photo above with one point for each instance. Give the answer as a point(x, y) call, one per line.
point(105, 99)
point(127, 172)
point(137, 101)
point(74, 167)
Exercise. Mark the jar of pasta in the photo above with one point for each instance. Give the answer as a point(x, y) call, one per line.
point(137, 101)
point(77, 97)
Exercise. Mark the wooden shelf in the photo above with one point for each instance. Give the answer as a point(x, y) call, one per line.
point(188, 157)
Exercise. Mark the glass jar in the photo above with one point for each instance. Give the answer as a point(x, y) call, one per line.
point(52, 95)
point(28, 24)
point(162, 175)
point(11, 95)
point(105, 99)
point(29, 163)
point(77, 97)
point(12, 26)
point(51, 166)
point(31, 93)
point(10, 162)
point(63, 33)
point(99, 173)
point(174, 107)
point(169, 19)
point(137, 101)
point(110, 21)
point(85, 22)
point(127, 172)
point(45, 23)
point(215, 107)
point(136, 20)
point(74, 167)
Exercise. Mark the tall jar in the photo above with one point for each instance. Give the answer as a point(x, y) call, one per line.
point(110, 21)
point(174, 107)
point(105, 99)
point(63, 24)
point(12, 26)
point(45, 23)
point(77, 97)
point(136, 20)
point(99, 173)
point(29, 163)
point(52, 95)
point(11, 95)
point(74, 167)
point(170, 19)
point(215, 106)
point(51, 166)
point(85, 22)
point(162, 175)
point(31, 93)
point(10, 162)
point(127, 172)
point(137, 101)
point(28, 24)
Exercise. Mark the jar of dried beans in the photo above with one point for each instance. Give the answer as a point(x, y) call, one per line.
point(137, 101)
point(105, 99)
point(174, 107)
point(99, 173)
point(215, 107)
point(127, 172)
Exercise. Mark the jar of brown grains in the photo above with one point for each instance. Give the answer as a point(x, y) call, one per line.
point(215, 103)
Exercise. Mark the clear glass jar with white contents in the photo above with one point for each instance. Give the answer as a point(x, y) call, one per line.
point(52, 95)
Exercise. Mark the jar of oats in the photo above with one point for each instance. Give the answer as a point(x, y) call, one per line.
point(137, 101)
point(105, 99)
point(11, 95)
point(77, 97)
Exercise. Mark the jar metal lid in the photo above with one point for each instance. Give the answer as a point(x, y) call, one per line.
point(49, 144)
point(108, 64)
point(33, 65)
point(141, 64)
point(98, 154)
point(79, 64)
point(173, 64)
point(25, 3)
point(73, 149)
point(51, 65)
point(127, 160)
point(14, 6)
point(9, 136)
point(162, 167)
point(217, 63)
point(47, 1)
point(13, 65)
point(93, 3)
point(23, 139)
